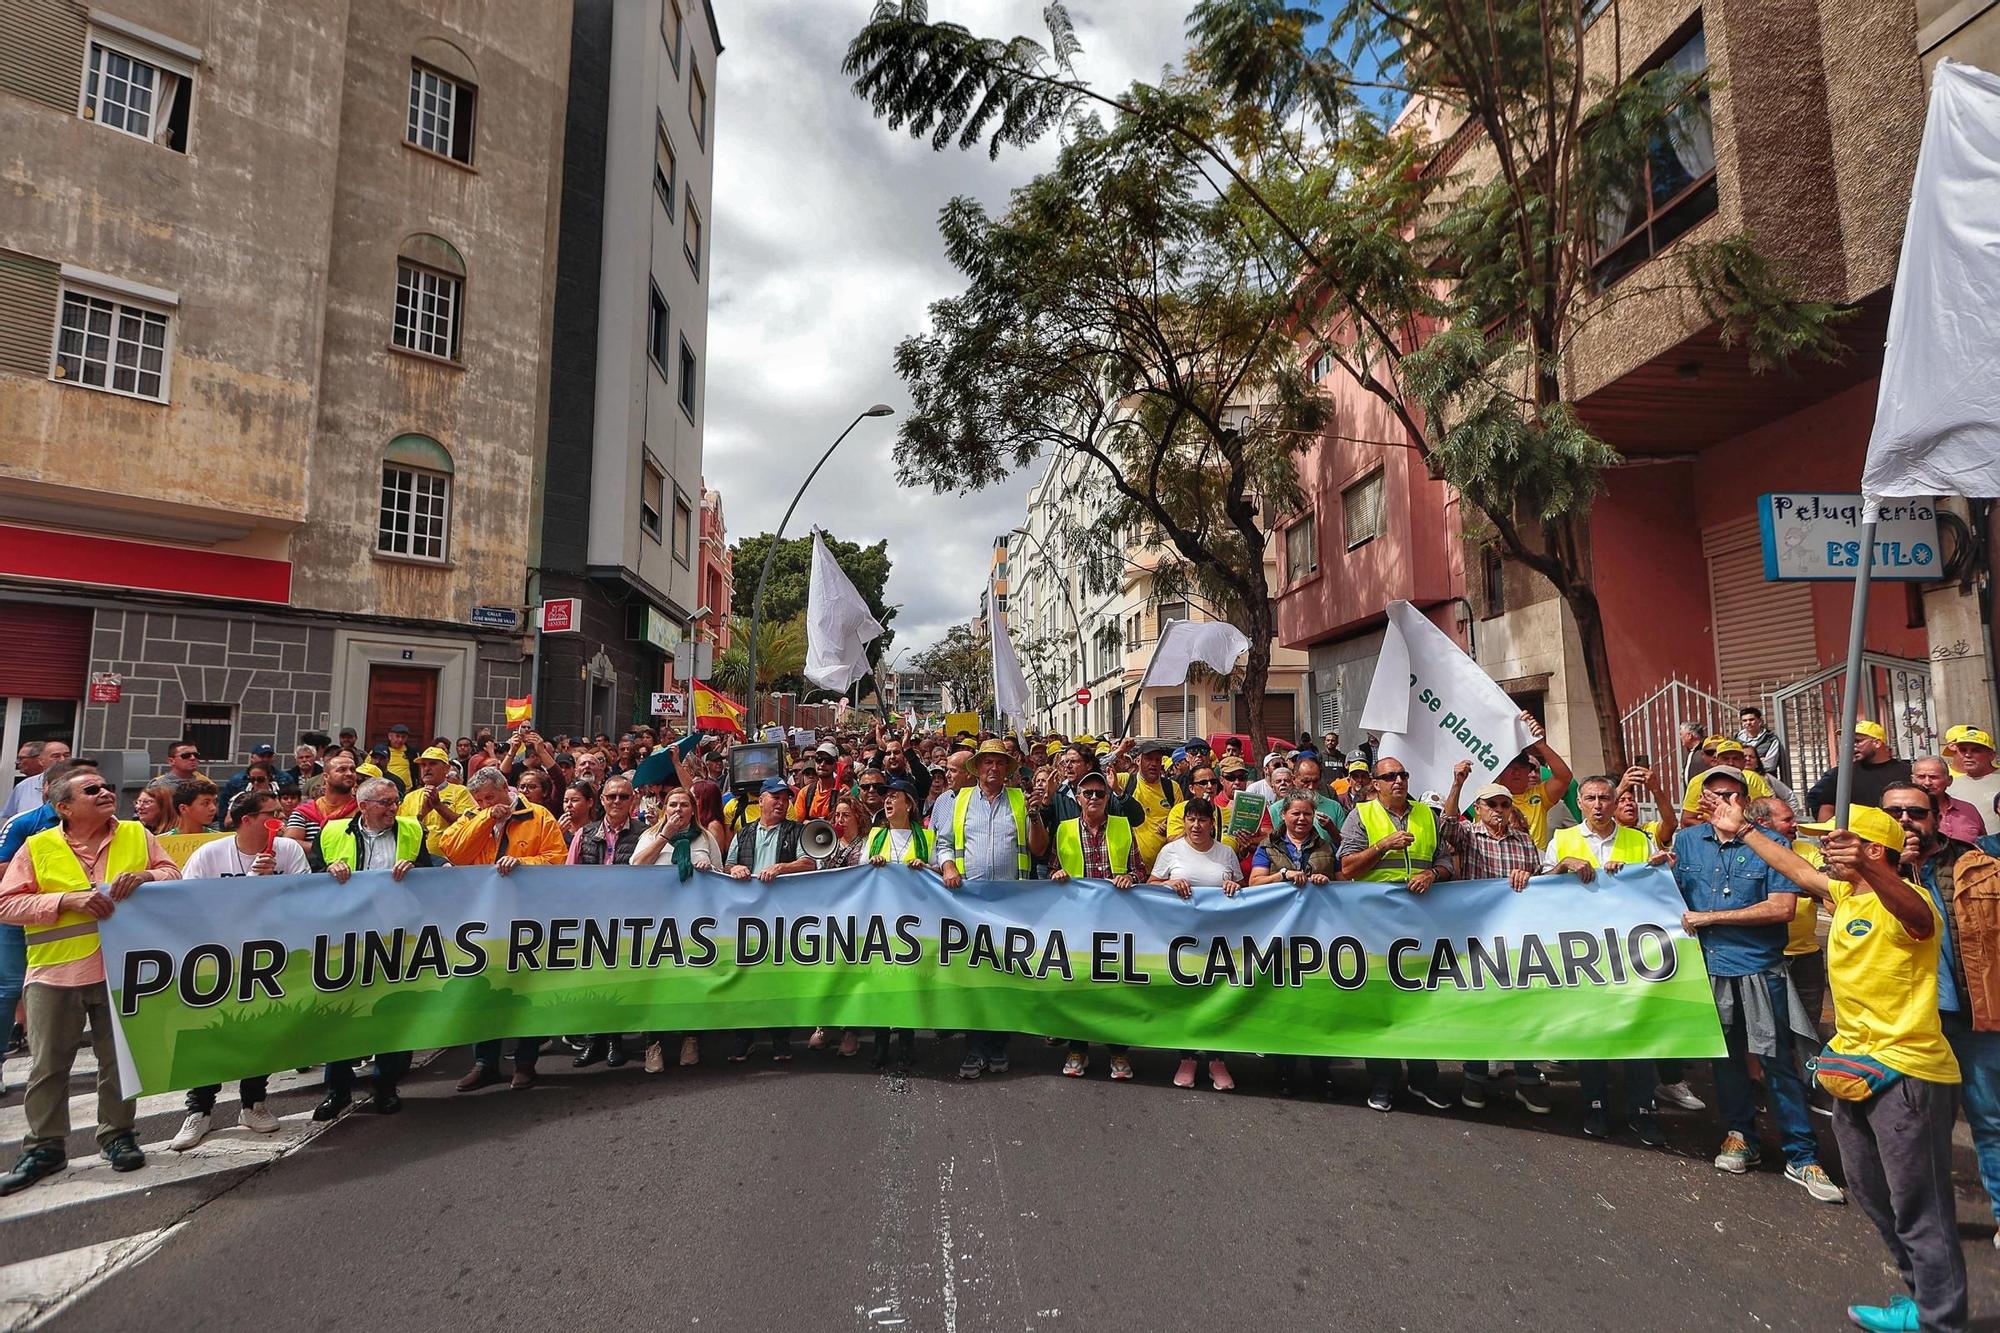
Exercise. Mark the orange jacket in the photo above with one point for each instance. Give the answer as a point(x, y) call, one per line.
point(530, 835)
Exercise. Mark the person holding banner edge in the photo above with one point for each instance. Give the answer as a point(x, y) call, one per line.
point(1097, 845)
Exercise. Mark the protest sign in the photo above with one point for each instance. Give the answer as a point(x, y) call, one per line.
point(1434, 706)
point(1246, 816)
point(213, 980)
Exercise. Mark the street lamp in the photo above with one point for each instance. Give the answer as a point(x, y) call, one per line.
point(771, 551)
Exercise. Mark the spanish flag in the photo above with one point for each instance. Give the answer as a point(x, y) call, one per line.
point(716, 711)
point(520, 710)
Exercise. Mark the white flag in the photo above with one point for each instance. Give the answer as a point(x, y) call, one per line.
point(1010, 687)
point(1215, 644)
point(839, 625)
point(1434, 706)
point(1937, 413)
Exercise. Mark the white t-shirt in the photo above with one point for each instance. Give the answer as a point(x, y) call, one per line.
point(1213, 868)
point(223, 859)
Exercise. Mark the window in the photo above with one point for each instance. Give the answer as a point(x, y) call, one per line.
point(131, 89)
point(1493, 577)
point(441, 113)
point(698, 104)
point(656, 330)
point(427, 311)
point(683, 527)
point(1132, 639)
point(1172, 611)
point(105, 342)
point(1673, 186)
point(666, 170)
point(1322, 366)
point(691, 235)
point(210, 728)
point(652, 503)
point(1361, 509)
point(672, 26)
point(416, 505)
point(687, 379)
point(1301, 550)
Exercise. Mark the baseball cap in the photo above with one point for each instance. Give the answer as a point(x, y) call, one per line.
point(1867, 821)
point(262, 751)
point(399, 727)
point(1197, 743)
point(1232, 767)
point(1492, 789)
point(777, 785)
point(827, 748)
point(1872, 730)
point(1729, 747)
point(1724, 771)
point(437, 753)
point(1180, 755)
point(1710, 742)
point(1358, 766)
point(1966, 734)
point(1093, 777)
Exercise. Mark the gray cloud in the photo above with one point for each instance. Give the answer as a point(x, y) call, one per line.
point(825, 254)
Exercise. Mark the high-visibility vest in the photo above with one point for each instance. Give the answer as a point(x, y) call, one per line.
point(1015, 801)
point(916, 852)
point(1630, 847)
point(1117, 845)
point(73, 935)
point(336, 840)
point(1419, 856)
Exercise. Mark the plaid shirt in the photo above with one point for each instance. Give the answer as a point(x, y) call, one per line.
point(1096, 850)
point(1483, 855)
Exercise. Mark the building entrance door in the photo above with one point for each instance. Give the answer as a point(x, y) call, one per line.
point(402, 694)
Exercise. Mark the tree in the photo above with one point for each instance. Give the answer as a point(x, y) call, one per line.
point(785, 596)
point(1115, 312)
point(1452, 296)
point(962, 662)
point(781, 655)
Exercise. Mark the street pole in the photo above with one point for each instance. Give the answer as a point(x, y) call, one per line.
point(1850, 693)
point(771, 551)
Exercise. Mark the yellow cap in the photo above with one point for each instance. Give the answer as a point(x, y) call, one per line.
point(435, 752)
point(1866, 821)
point(368, 770)
point(1710, 742)
point(1965, 734)
point(1726, 746)
point(1872, 730)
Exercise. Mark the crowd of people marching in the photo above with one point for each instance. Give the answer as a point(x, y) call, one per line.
point(1910, 957)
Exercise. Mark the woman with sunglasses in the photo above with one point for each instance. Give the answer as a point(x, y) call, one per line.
point(1194, 860)
point(897, 840)
point(677, 835)
point(154, 806)
point(1300, 853)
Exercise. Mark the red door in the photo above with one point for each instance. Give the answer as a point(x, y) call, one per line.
point(402, 694)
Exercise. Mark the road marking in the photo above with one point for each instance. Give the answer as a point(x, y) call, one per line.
point(83, 1106)
point(27, 1288)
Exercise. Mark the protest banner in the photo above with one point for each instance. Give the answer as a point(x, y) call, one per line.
point(1434, 706)
point(961, 724)
point(218, 979)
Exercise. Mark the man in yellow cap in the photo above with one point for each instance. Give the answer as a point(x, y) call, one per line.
point(1888, 1050)
point(1732, 754)
point(1975, 779)
point(1875, 768)
point(436, 802)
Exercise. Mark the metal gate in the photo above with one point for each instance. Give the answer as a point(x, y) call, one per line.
point(1652, 728)
point(1896, 692)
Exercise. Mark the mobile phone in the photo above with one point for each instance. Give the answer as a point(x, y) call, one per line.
point(1641, 761)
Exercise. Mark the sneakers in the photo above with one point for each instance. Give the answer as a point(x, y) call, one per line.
point(1812, 1177)
point(123, 1153)
point(1737, 1156)
point(1431, 1097)
point(1898, 1316)
point(1596, 1124)
point(1534, 1096)
point(1472, 1093)
point(32, 1166)
point(690, 1051)
point(1074, 1066)
point(656, 1059)
point(1218, 1076)
point(1679, 1094)
point(1646, 1126)
point(972, 1066)
point(1121, 1070)
point(257, 1118)
point(1381, 1097)
point(997, 1064)
point(193, 1130)
point(1184, 1073)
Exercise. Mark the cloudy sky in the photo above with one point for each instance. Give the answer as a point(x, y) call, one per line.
point(826, 253)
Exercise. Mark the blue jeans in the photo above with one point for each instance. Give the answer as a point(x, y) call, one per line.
point(13, 971)
point(1781, 1077)
point(1979, 1091)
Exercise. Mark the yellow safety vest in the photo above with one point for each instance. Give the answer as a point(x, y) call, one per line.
point(1630, 847)
point(1117, 844)
point(1017, 802)
point(1419, 856)
point(916, 852)
point(336, 840)
point(73, 935)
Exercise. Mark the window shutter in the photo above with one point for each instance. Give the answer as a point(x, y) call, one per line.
point(42, 56)
point(28, 288)
point(1763, 630)
point(48, 651)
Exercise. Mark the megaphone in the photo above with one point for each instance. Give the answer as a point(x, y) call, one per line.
point(817, 839)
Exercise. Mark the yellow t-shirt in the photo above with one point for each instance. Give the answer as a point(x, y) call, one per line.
point(1804, 936)
point(1753, 782)
point(1884, 985)
point(1175, 825)
point(1153, 800)
point(456, 798)
point(1534, 807)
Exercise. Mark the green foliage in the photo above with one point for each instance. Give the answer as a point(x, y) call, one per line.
point(961, 661)
point(867, 567)
point(781, 655)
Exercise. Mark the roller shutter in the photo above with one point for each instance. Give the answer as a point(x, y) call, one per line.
point(1763, 630)
point(46, 653)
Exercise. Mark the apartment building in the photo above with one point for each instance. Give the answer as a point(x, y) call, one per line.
point(274, 311)
point(718, 574)
point(621, 527)
point(1807, 138)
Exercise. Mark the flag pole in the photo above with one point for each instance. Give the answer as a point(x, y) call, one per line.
point(1850, 694)
point(1139, 692)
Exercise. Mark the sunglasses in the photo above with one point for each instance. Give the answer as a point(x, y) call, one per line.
point(1094, 794)
point(1202, 782)
point(1397, 776)
point(867, 787)
point(92, 789)
point(618, 796)
point(188, 754)
point(1496, 803)
point(1908, 811)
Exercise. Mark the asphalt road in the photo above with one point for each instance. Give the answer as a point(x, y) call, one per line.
point(826, 1196)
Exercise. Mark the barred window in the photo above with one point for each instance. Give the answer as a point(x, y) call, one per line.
point(108, 344)
point(416, 506)
point(427, 311)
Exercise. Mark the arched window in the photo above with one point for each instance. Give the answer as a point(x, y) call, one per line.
point(444, 100)
point(415, 518)
point(430, 296)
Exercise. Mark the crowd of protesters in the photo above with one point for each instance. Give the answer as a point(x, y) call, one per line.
point(1910, 960)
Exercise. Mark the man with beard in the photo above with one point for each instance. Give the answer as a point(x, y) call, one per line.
point(336, 802)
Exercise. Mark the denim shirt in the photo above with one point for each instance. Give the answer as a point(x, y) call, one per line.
point(1947, 971)
point(1717, 876)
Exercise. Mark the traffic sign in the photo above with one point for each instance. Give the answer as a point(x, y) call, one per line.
point(1083, 695)
point(562, 615)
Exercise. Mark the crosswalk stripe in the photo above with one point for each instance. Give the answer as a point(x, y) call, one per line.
point(83, 1105)
point(30, 1288)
